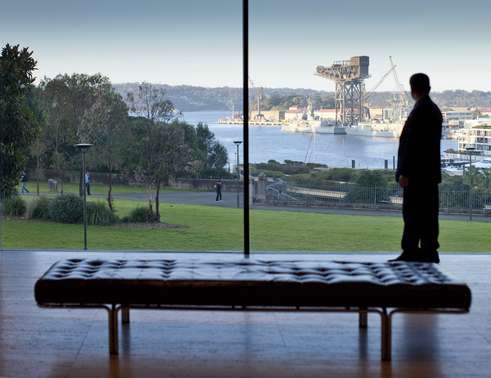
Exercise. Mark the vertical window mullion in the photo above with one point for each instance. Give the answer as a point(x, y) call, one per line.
point(245, 129)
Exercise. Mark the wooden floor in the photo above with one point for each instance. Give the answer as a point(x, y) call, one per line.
point(38, 342)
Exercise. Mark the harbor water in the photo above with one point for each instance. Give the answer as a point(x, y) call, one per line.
point(268, 143)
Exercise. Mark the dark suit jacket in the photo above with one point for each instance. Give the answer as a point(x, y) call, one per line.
point(419, 144)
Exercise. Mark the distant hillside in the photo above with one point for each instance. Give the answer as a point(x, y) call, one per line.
point(190, 98)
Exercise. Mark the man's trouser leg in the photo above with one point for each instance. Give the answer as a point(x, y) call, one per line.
point(410, 235)
point(430, 227)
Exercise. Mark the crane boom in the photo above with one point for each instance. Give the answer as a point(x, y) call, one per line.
point(374, 88)
point(400, 87)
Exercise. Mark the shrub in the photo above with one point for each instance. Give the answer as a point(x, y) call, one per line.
point(289, 168)
point(39, 208)
point(142, 214)
point(98, 213)
point(372, 178)
point(15, 206)
point(367, 194)
point(67, 208)
point(341, 174)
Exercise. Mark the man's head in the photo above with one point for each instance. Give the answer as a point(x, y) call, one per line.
point(420, 85)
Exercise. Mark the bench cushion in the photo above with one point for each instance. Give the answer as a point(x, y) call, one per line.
point(250, 282)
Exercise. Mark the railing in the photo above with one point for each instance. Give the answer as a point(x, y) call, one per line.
point(477, 202)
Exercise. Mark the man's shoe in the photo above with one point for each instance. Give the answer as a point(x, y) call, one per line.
point(430, 257)
point(406, 256)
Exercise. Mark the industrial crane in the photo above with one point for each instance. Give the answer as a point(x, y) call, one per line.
point(399, 104)
point(259, 98)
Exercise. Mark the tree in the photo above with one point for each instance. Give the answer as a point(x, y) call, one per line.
point(212, 154)
point(66, 100)
point(103, 124)
point(486, 174)
point(150, 102)
point(38, 149)
point(17, 121)
point(162, 152)
point(169, 154)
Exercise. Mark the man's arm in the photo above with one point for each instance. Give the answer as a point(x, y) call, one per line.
point(406, 146)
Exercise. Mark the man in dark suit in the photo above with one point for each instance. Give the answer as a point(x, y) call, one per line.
point(419, 173)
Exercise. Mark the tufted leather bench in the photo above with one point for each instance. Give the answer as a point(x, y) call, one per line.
point(252, 284)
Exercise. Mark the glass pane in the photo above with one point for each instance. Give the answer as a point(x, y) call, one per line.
point(143, 84)
point(330, 94)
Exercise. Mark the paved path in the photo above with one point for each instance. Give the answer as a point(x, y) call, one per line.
point(230, 201)
point(189, 198)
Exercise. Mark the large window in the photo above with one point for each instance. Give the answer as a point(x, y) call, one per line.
point(143, 83)
point(329, 97)
point(157, 91)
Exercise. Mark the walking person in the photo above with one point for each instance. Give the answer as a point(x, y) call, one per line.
point(23, 182)
point(88, 180)
point(218, 188)
point(419, 173)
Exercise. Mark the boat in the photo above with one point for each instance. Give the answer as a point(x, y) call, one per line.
point(452, 166)
point(452, 170)
point(376, 129)
point(482, 164)
point(330, 127)
point(311, 124)
point(301, 126)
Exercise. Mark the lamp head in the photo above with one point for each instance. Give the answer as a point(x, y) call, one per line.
point(237, 142)
point(83, 147)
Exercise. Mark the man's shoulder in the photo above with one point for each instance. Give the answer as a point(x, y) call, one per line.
point(436, 111)
point(426, 106)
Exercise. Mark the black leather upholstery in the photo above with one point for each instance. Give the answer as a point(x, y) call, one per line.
point(250, 282)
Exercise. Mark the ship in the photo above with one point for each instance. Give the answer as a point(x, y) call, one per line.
point(376, 129)
point(301, 126)
point(330, 127)
point(311, 124)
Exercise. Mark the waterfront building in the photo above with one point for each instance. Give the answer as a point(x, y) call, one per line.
point(480, 121)
point(269, 115)
point(477, 137)
point(378, 113)
point(485, 112)
point(325, 114)
point(459, 114)
point(294, 113)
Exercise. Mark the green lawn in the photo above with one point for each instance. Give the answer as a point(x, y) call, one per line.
point(207, 228)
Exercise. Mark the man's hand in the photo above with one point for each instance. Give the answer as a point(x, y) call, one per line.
point(403, 181)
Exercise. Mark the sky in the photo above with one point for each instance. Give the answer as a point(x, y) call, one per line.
point(198, 42)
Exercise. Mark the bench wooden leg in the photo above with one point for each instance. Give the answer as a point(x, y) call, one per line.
point(363, 318)
point(113, 329)
point(125, 314)
point(386, 335)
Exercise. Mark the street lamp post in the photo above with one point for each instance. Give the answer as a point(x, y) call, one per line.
point(83, 147)
point(237, 144)
point(470, 150)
